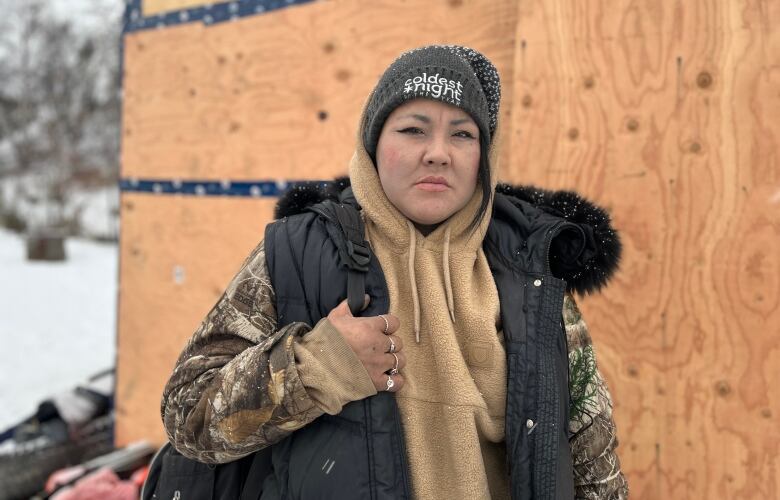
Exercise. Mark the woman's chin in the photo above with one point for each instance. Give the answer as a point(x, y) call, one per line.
point(429, 219)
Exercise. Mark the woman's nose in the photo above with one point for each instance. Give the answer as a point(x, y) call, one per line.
point(437, 153)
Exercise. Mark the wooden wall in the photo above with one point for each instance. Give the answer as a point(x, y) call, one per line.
point(665, 112)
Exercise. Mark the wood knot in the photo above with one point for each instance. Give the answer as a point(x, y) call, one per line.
point(527, 101)
point(574, 133)
point(589, 82)
point(723, 388)
point(704, 80)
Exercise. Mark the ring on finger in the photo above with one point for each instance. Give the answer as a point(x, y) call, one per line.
point(394, 370)
point(390, 383)
point(392, 345)
point(387, 323)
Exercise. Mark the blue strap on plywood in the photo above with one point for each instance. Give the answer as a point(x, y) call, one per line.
point(208, 14)
point(253, 189)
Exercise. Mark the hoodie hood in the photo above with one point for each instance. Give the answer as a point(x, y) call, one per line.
point(455, 234)
point(378, 208)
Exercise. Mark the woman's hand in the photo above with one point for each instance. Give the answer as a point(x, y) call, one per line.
point(370, 338)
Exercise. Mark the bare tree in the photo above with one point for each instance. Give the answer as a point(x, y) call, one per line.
point(59, 101)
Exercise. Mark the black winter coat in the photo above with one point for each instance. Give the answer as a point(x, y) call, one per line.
point(529, 251)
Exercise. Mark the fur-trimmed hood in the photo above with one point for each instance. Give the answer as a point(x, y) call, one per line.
point(589, 271)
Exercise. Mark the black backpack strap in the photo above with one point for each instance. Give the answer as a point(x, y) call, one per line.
point(347, 231)
point(357, 255)
point(260, 468)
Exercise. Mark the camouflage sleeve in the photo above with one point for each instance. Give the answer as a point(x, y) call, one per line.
point(597, 472)
point(235, 388)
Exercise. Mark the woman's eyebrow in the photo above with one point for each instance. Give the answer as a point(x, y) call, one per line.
point(425, 119)
point(422, 118)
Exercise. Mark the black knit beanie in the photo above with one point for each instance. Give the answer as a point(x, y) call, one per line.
point(448, 73)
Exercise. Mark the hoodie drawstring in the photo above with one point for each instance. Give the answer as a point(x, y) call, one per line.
point(413, 279)
point(447, 281)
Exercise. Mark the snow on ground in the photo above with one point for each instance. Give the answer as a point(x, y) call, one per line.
point(57, 321)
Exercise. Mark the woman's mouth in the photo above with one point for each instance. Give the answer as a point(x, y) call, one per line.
point(432, 183)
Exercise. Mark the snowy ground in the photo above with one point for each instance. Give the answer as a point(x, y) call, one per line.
point(57, 321)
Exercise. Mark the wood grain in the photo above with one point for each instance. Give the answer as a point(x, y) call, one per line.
point(661, 111)
point(665, 112)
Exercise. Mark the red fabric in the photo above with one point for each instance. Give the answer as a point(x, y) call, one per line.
point(139, 477)
point(100, 485)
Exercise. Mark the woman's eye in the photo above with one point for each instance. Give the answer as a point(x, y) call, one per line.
point(411, 130)
point(465, 134)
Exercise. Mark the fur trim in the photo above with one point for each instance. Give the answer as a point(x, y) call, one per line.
point(590, 277)
point(596, 272)
point(308, 193)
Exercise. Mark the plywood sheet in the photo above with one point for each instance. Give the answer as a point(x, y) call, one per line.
point(177, 255)
point(279, 95)
point(275, 96)
point(661, 110)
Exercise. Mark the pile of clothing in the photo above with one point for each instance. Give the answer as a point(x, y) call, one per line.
point(65, 450)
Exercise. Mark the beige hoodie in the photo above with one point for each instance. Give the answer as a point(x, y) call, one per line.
point(453, 404)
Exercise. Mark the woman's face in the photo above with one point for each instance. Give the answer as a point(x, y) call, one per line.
point(427, 159)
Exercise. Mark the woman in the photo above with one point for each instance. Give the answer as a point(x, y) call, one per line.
point(468, 374)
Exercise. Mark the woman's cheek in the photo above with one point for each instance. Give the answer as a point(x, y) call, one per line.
point(391, 156)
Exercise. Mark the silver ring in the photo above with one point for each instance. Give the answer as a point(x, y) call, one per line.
point(387, 324)
point(390, 383)
point(392, 345)
point(394, 370)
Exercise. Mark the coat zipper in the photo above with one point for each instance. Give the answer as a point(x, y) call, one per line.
point(404, 466)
